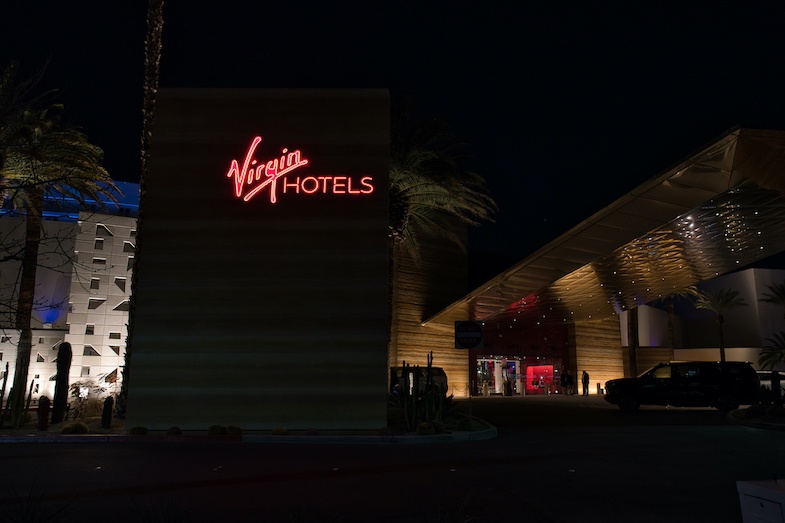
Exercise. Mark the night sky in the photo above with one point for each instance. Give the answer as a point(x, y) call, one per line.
point(565, 107)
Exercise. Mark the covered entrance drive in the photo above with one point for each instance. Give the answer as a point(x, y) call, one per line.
point(717, 211)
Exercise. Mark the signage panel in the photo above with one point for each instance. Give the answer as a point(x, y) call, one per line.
point(468, 335)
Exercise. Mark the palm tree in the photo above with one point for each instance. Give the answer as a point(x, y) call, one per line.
point(773, 352)
point(718, 301)
point(152, 62)
point(429, 190)
point(39, 158)
point(669, 303)
point(430, 196)
point(776, 296)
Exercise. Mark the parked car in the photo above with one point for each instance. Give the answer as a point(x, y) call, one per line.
point(764, 376)
point(722, 385)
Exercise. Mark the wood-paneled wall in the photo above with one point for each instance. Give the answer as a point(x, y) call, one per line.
point(420, 290)
point(598, 351)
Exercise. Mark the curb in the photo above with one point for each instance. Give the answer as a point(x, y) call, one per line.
point(733, 416)
point(478, 435)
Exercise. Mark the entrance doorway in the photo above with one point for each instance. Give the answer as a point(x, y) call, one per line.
point(513, 376)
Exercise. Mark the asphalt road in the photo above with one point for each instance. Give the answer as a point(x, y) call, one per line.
point(556, 459)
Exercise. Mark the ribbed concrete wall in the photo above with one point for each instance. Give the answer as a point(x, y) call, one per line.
point(258, 314)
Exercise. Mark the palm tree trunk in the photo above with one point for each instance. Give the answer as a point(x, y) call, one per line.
point(24, 312)
point(153, 43)
point(632, 339)
point(721, 320)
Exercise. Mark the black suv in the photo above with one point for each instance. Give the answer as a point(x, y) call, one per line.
point(723, 385)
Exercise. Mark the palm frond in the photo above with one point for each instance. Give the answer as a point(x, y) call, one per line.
point(429, 190)
point(773, 352)
point(719, 300)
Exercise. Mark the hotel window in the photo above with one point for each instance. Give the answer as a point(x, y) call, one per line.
point(111, 377)
point(85, 371)
point(94, 303)
point(115, 349)
point(41, 341)
point(39, 358)
point(122, 306)
point(133, 233)
point(89, 350)
point(99, 261)
point(115, 335)
point(95, 283)
point(128, 247)
point(5, 339)
point(103, 230)
point(120, 282)
point(89, 329)
point(130, 263)
point(1, 356)
point(99, 244)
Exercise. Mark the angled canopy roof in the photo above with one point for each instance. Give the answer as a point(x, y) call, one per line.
point(720, 209)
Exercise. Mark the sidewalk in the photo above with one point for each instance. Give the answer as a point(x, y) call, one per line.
point(118, 434)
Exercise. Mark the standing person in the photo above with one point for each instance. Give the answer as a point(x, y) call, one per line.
point(585, 380)
point(570, 383)
point(563, 378)
point(775, 388)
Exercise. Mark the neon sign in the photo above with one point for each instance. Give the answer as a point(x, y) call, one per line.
point(255, 176)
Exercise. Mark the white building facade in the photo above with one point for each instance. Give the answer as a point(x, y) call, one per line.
point(83, 286)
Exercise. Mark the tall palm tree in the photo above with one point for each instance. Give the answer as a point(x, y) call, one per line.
point(429, 189)
point(718, 301)
point(152, 63)
point(776, 296)
point(430, 195)
point(773, 352)
point(39, 158)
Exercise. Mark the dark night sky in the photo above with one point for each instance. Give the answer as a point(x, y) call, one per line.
point(565, 106)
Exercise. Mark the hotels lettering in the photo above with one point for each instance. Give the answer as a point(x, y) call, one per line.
point(255, 176)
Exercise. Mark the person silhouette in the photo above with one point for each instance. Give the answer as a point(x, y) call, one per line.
point(585, 380)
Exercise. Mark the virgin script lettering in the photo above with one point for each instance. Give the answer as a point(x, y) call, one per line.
point(255, 176)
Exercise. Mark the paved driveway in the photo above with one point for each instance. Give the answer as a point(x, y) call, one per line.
point(556, 459)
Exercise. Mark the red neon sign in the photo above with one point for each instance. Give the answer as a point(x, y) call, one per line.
point(255, 176)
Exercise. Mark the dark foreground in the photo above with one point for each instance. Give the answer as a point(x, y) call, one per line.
point(556, 459)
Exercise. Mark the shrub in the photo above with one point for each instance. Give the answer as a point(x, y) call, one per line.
point(138, 431)
point(106, 414)
point(465, 424)
point(425, 429)
point(76, 428)
point(234, 430)
point(216, 430)
point(754, 411)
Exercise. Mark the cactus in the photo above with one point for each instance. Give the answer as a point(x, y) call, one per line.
point(7, 408)
point(24, 414)
point(5, 382)
point(428, 407)
point(106, 415)
point(61, 385)
point(44, 406)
